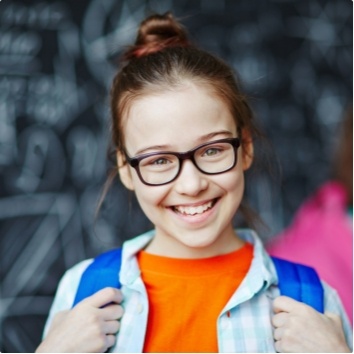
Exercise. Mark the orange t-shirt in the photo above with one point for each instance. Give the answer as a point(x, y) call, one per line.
point(186, 296)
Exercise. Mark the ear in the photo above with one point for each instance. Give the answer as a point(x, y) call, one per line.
point(124, 171)
point(247, 150)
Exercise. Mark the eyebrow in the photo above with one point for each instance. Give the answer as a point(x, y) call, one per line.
point(201, 140)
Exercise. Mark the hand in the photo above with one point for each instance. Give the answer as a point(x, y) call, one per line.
point(90, 327)
point(301, 329)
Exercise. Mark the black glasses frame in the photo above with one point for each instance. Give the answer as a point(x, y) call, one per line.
point(188, 155)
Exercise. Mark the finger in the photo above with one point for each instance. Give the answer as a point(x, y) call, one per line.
point(278, 334)
point(280, 319)
point(111, 327)
point(103, 297)
point(285, 304)
point(278, 346)
point(110, 340)
point(112, 312)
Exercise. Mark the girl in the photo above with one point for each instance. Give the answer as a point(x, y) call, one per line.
point(183, 136)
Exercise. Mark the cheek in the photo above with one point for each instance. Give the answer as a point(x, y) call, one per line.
point(233, 182)
point(149, 197)
point(234, 189)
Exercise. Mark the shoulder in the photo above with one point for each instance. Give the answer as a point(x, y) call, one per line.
point(72, 276)
point(332, 300)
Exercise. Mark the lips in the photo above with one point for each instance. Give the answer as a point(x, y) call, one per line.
point(194, 209)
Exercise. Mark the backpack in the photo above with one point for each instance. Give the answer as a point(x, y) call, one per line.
point(297, 281)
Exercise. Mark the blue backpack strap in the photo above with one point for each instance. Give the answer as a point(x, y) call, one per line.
point(300, 282)
point(297, 281)
point(101, 273)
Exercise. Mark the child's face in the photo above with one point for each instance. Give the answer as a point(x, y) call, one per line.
point(179, 120)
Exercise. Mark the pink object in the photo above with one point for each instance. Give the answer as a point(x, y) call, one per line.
point(321, 236)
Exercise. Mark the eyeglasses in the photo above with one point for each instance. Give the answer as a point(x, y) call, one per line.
point(159, 168)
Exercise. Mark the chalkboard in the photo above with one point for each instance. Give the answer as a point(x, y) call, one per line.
point(57, 59)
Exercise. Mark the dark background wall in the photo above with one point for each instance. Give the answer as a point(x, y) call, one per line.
point(57, 59)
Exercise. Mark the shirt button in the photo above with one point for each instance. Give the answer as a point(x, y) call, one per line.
point(140, 308)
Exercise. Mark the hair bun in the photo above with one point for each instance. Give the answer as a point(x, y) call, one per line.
point(156, 33)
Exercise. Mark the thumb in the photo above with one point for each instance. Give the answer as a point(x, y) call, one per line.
point(103, 297)
point(59, 317)
point(335, 318)
point(338, 328)
point(283, 304)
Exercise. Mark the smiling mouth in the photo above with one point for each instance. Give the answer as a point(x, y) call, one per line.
point(194, 210)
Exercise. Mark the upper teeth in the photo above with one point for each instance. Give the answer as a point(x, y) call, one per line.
point(193, 210)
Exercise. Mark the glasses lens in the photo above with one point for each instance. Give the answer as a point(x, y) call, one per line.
point(216, 157)
point(159, 168)
point(213, 158)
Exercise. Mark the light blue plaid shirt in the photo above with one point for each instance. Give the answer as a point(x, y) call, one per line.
point(247, 329)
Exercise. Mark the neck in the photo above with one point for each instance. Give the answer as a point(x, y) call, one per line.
point(169, 246)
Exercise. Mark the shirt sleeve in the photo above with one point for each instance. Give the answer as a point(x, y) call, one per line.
point(332, 303)
point(66, 291)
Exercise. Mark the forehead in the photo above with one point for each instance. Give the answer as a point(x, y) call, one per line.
point(176, 116)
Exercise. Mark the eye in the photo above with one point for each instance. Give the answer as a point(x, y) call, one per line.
point(212, 151)
point(160, 161)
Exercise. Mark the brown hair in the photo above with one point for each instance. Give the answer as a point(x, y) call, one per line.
point(163, 58)
point(343, 157)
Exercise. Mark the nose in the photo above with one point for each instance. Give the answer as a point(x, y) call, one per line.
point(190, 180)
